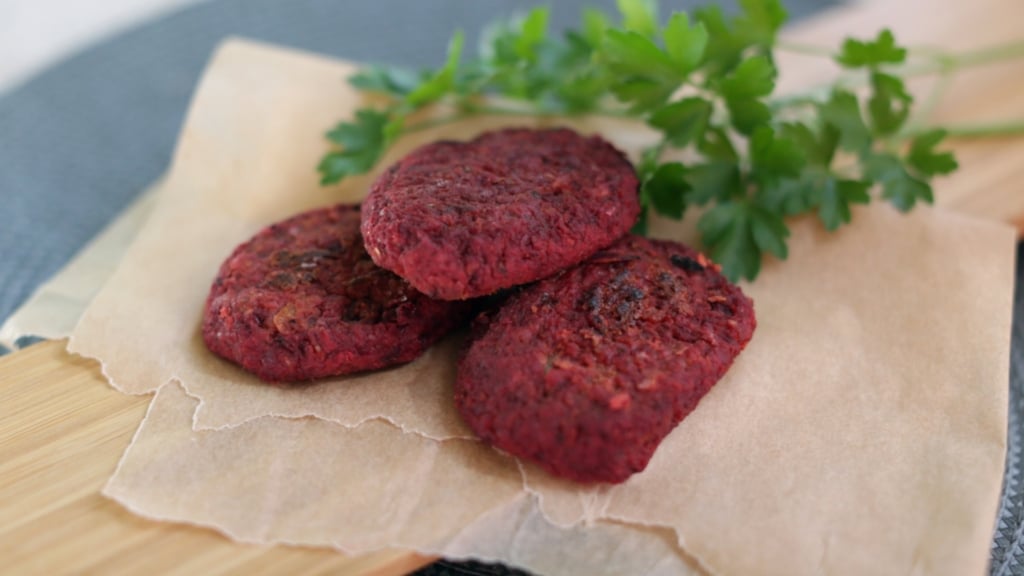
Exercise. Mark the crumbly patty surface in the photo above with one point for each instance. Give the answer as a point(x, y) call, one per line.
point(466, 219)
point(586, 372)
point(302, 300)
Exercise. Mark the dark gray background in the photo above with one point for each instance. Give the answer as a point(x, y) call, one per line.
point(81, 139)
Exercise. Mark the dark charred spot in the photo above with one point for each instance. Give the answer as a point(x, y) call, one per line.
point(362, 311)
point(607, 258)
point(282, 280)
point(595, 309)
point(723, 308)
point(686, 264)
point(617, 303)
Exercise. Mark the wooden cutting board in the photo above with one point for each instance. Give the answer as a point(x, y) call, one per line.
point(62, 429)
point(62, 432)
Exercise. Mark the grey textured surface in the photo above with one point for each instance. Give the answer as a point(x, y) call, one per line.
point(80, 140)
point(1008, 543)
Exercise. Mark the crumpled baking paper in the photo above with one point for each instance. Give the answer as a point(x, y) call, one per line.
point(862, 431)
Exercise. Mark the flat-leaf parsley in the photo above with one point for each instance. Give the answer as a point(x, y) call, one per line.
point(706, 82)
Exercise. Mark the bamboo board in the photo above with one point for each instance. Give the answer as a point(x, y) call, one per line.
point(62, 432)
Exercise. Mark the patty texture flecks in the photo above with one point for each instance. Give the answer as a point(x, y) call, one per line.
point(302, 300)
point(465, 219)
point(586, 372)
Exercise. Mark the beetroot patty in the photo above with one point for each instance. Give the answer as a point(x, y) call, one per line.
point(302, 299)
point(466, 219)
point(586, 372)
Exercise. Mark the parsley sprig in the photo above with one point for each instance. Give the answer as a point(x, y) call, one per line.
point(705, 81)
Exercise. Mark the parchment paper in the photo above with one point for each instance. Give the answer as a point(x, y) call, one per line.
point(861, 432)
point(231, 177)
point(315, 483)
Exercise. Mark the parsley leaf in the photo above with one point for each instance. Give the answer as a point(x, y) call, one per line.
point(835, 199)
point(633, 54)
point(774, 155)
point(726, 231)
point(889, 104)
point(760, 20)
point(443, 81)
point(899, 187)
point(842, 112)
point(725, 45)
point(870, 54)
point(362, 143)
point(666, 189)
point(791, 196)
point(925, 160)
point(753, 78)
point(647, 75)
point(818, 147)
point(640, 16)
point(685, 44)
point(385, 79)
point(738, 232)
point(714, 180)
point(748, 114)
point(716, 144)
point(683, 121)
point(595, 23)
point(533, 31)
point(705, 83)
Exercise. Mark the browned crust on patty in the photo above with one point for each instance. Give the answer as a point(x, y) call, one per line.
point(466, 219)
point(302, 300)
point(586, 372)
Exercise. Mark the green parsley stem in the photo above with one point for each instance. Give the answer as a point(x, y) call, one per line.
point(939, 60)
point(934, 97)
point(941, 63)
point(433, 123)
point(659, 149)
point(1014, 128)
point(499, 111)
point(798, 99)
point(805, 49)
point(472, 111)
point(996, 53)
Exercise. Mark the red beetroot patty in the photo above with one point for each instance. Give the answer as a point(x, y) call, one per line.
point(302, 299)
point(587, 371)
point(466, 219)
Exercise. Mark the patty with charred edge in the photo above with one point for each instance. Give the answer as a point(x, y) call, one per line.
point(303, 300)
point(587, 371)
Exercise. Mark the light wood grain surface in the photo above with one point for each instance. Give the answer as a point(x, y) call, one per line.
point(62, 432)
point(62, 429)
